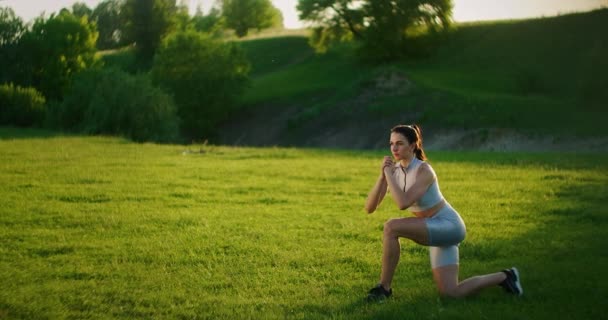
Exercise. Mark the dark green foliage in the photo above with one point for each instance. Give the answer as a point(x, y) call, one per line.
point(394, 27)
point(343, 14)
point(205, 76)
point(337, 21)
point(385, 29)
point(243, 15)
point(211, 23)
point(80, 9)
point(11, 30)
point(107, 16)
point(11, 26)
point(181, 18)
point(53, 51)
point(147, 22)
point(123, 59)
point(114, 102)
point(21, 106)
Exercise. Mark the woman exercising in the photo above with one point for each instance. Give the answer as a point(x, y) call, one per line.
point(413, 185)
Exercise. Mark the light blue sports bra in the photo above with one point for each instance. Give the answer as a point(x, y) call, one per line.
point(406, 180)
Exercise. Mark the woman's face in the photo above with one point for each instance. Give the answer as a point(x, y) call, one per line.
point(400, 147)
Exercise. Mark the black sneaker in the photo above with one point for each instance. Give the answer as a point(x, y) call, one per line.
point(512, 284)
point(378, 293)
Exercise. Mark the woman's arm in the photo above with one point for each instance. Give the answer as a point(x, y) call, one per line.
point(375, 196)
point(403, 199)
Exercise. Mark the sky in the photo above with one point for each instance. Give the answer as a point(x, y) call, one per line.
point(464, 10)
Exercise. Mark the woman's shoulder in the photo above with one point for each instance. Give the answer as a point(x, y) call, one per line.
point(426, 168)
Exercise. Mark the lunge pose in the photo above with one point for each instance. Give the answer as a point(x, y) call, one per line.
point(413, 185)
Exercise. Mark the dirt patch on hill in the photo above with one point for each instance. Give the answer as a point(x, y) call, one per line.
point(349, 125)
point(270, 126)
point(365, 134)
point(493, 139)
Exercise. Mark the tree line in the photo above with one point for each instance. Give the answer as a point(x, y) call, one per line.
point(186, 79)
point(187, 75)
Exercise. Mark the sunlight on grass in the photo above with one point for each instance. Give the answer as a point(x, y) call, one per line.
point(95, 227)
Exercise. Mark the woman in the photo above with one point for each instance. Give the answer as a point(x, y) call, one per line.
point(413, 184)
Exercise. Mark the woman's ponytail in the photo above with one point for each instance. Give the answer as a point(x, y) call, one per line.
point(419, 151)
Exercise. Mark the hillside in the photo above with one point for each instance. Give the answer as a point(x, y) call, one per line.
point(524, 84)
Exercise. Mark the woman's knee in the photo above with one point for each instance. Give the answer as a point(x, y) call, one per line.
point(450, 292)
point(390, 227)
point(405, 228)
point(446, 280)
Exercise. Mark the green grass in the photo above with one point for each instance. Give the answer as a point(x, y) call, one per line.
point(287, 70)
point(275, 53)
point(98, 227)
point(537, 56)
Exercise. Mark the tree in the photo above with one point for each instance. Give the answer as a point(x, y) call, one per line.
point(337, 17)
point(205, 76)
point(11, 30)
point(182, 20)
point(242, 15)
point(110, 24)
point(147, 22)
point(11, 26)
point(384, 28)
point(55, 49)
point(80, 9)
point(211, 23)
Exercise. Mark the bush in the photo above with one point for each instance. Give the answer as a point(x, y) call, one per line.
point(123, 59)
point(55, 49)
point(114, 102)
point(205, 76)
point(21, 106)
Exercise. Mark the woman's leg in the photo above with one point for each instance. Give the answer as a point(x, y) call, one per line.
point(411, 228)
point(446, 278)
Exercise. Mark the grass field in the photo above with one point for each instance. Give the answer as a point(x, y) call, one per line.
point(96, 227)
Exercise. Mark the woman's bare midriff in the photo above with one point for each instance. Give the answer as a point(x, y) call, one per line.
point(430, 211)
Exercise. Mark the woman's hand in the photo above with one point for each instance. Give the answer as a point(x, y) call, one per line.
point(388, 166)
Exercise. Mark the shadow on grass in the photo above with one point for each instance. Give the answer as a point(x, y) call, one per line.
point(11, 133)
point(560, 160)
point(14, 133)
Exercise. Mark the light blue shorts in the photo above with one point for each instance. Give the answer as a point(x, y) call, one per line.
point(446, 230)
